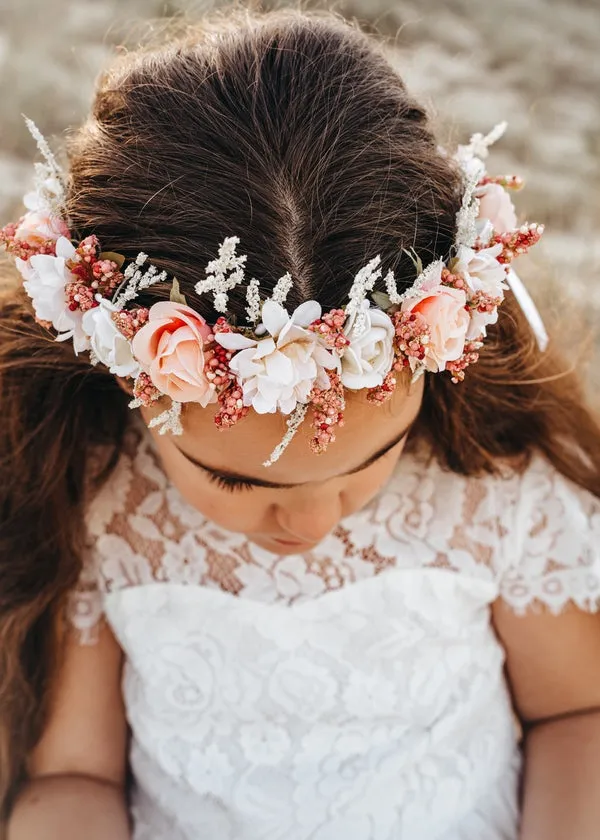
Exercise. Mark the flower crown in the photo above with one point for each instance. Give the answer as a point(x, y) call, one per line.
point(277, 361)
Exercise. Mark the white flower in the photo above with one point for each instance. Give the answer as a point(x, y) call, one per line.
point(495, 205)
point(481, 270)
point(483, 273)
point(368, 359)
point(108, 343)
point(278, 372)
point(480, 321)
point(45, 279)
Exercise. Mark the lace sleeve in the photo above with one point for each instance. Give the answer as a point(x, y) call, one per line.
point(85, 604)
point(84, 611)
point(551, 543)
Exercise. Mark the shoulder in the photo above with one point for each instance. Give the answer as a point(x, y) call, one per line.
point(135, 484)
point(136, 474)
point(537, 531)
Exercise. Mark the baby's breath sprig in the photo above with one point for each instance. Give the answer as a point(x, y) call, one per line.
point(217, 282)
point(136, 280)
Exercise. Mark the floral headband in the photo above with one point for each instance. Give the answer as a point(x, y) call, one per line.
point(278, 361)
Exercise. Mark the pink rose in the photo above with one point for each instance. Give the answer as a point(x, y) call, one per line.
point(496, 205)
point(37, 227)
point(171, 349)
point(448, 320)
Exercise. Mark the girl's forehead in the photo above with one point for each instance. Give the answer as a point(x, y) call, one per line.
point(368, 429)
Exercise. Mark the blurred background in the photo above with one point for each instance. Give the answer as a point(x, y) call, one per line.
point(473, 63)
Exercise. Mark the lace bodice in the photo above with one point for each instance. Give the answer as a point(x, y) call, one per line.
point(355, 691)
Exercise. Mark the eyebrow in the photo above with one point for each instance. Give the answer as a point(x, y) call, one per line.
point(229, 475)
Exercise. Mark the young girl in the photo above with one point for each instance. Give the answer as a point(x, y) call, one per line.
point(300, 517)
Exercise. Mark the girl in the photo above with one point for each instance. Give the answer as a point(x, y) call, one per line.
point(314, 584)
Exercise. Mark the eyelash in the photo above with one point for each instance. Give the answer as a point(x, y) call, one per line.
point(231, 485)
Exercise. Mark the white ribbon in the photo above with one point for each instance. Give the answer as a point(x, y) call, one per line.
point(529, 308)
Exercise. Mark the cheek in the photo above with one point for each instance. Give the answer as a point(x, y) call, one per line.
point(241, 511)
point(364, 486)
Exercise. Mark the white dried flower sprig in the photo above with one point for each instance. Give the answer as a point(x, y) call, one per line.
point(363, 283)
point(471, 157)
point(478, 145)
point(217, 282)
point(282, 289)
point(137, 280)
point(49, 181)
point(169, 420)
point(253, 301)
point(293, 422)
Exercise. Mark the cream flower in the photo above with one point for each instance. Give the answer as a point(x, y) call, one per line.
point(170, 347)
point(36, 228)
point(45, 279)
point(444, 310)
point(108, 343)
point(368, 359)
point(495, 206)
point(277, 372)
point(481, 270)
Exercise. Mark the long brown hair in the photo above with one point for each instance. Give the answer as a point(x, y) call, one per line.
point(291, 130)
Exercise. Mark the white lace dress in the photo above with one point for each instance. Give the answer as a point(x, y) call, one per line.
point(352, 693)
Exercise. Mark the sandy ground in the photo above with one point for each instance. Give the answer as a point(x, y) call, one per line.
point(474, 62)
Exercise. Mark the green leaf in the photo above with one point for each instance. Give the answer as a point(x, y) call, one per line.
point(119, 259)
point(382, 300)
point(415, 259)
point(176, 296)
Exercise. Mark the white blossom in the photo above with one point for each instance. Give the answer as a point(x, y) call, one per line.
point(369, 357)
point(108, 344)
point(45, 280)
point(280, 370)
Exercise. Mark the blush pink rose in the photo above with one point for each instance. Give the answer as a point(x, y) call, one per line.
point(36, 227)
point(496, 205)
point(448, 320)
point(170, 348)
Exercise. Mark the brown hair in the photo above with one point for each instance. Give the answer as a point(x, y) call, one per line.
point(291, 130)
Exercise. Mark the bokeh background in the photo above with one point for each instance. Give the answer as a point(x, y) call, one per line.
point(474, 63)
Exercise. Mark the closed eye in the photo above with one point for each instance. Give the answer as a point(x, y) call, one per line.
point(232, 485)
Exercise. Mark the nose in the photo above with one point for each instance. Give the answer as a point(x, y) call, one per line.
point(310, 517)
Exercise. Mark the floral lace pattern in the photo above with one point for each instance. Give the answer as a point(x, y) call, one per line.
point(356, 691)
point(536, 535)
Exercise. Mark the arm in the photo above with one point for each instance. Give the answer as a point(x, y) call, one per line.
point(553, 666)
point(77, 770)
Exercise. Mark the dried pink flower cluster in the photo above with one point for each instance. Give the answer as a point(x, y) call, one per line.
point(331, 329)
point(129, 321)
point(145, 391)
point(509, 182)
point(328, 413)
point(469, 357)
point(517, 242)
point(94, 276)
point(21, 248)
